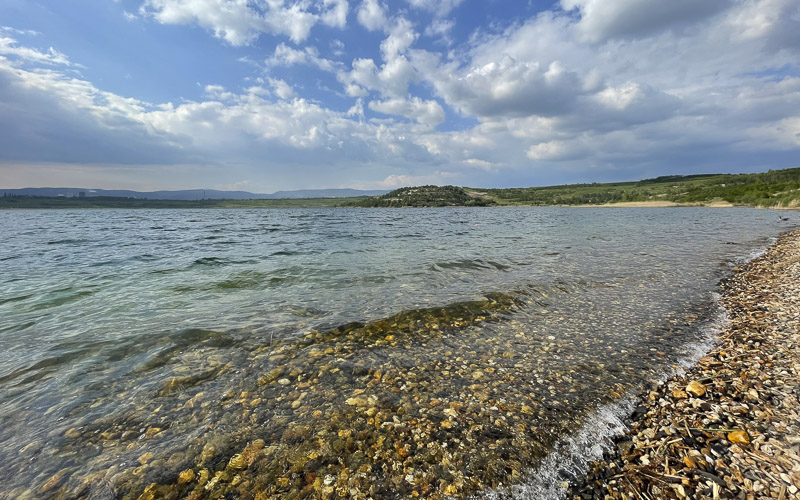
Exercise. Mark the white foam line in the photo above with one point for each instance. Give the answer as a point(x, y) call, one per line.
point(756, 253)
point(709, 337)
point(572, 454)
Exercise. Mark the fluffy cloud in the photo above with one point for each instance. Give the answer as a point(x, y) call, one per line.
point(439, 7)
point(287, 56)
point(282, 89)
point(512, 88)
point(425, 112)
point(604, 19)
point(393, 77)
point(372, 15)
point(240, 22)
point(10, 47)
point(771, 22)
point(336, 13)
point(441, 28)
point(401, 36)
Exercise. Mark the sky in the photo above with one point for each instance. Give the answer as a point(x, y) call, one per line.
point(267, 95)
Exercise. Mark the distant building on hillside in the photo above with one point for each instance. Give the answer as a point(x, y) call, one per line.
point(82, 194)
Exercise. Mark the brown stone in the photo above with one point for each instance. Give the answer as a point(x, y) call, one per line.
point(679, 394)
point(695, 388)
point(739, 436)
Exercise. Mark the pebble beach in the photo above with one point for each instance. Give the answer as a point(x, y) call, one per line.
point(729, 427)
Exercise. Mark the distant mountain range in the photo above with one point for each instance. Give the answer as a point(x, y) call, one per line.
point(192, 194)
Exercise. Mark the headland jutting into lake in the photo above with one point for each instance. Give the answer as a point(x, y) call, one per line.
point(730, 426)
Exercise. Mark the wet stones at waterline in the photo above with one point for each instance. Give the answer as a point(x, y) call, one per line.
point(729, 427)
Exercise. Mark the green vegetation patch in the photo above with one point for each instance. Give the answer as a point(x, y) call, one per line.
point(427, 196)
point(775, 188)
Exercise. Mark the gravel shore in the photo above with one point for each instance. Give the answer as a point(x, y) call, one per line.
point(730, 426)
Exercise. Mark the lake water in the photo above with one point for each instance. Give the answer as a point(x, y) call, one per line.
point(355, 352)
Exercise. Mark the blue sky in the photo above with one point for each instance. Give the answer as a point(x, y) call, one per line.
point(264, 95)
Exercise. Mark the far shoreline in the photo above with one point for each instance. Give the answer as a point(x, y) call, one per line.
point(115, 203)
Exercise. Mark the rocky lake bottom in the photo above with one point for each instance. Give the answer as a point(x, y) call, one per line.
point(494, 354)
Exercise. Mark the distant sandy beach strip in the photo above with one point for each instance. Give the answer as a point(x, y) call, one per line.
point(658, 204)
point(730, 427)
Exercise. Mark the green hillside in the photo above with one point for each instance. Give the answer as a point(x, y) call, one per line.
point(426, 196)
point(776, 188)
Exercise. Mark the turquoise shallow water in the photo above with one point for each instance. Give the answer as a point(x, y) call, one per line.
point(114, 323)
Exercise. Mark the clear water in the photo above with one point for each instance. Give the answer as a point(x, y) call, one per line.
point(137, 344)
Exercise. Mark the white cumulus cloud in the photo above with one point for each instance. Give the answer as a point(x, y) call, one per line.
point(603, 19)
point(238, 22)
point(335, 13)
point(425, 112)
point(372, 15)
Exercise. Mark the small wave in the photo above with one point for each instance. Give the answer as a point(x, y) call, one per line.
point(44, 367)
point(571, 456)
point(709, 330)
point(164, 271)
point(217, 262)
point(68, 241)
point(303, 311)
point(62, 297)
point(145, 257)
point(208, 262)
point(471, 264)
point(17, 328)
point(15, 299)
point(280, 253)
point(754, 254)
point(243, 280)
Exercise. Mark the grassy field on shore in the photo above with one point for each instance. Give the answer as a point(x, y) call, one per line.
point(776, 188)
point(772, 189)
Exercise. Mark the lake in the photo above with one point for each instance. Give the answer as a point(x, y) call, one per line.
point(293, 353)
